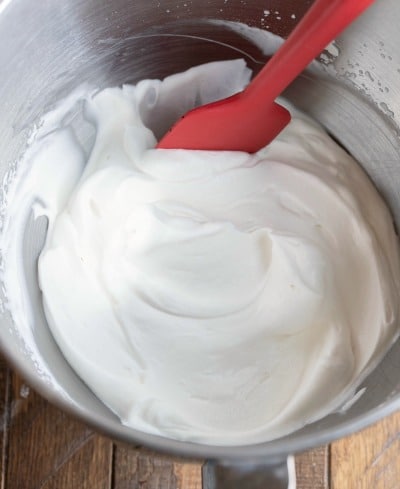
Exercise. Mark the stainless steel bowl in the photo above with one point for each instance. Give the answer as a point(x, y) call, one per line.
point(47, 48)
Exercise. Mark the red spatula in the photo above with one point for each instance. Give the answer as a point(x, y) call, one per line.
point(251, 119)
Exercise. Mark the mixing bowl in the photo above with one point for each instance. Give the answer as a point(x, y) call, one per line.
point(48, 48)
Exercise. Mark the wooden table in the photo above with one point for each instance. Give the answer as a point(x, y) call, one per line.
point(42, 448)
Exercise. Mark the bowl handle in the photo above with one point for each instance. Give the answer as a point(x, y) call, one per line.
point(279, 474)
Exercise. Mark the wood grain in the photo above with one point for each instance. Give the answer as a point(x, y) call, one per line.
point(188, 475)
point(48, 450)
point(312, 469)
point(4, 417)
point(139, 467)
point(134, 468)
point(370, 459)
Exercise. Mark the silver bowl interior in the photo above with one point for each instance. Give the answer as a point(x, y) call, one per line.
point(46, 50)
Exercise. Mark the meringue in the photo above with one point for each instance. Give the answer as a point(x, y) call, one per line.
point(217, 297)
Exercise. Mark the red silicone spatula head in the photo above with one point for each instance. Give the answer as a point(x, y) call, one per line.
point(221, 126)
point(251, 119)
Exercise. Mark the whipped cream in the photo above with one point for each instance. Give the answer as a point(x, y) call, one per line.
point(217, 297)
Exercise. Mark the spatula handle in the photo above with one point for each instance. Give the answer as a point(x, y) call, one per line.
point(322, 22)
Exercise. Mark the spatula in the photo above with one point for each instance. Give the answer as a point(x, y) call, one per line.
point(251, 119)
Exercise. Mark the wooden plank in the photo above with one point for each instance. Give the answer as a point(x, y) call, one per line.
point(4, 417)
point(138, 467)
point(312, 469)
point(89, 468)
point(370, 459)
point(188, 475)
point(48, 450)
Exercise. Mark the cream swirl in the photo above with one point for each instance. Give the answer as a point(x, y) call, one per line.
point(217, 297)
